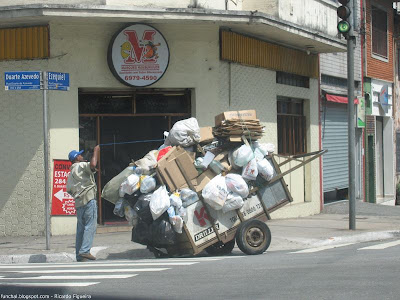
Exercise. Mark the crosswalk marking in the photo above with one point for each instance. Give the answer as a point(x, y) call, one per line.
point(68, 277)
point(317, 249)
point(381, 246)
point(127, 264)
point(50, 284)
point(91, 271)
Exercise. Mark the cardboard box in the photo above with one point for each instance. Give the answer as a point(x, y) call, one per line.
point(171, 174)
point(202, 180)
point(238, 114)
point(206, 134)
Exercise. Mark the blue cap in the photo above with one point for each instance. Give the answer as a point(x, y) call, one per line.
point(73, 154)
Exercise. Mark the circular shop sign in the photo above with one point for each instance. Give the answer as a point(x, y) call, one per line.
point(138, 55)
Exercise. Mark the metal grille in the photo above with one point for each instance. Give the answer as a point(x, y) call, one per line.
point(24, 43)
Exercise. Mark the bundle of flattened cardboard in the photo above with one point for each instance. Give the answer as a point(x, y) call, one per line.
point(232, 125)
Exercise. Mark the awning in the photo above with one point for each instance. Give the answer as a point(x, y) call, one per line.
point(339, 99)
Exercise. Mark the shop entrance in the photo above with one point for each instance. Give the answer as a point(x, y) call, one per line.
point(127, 125)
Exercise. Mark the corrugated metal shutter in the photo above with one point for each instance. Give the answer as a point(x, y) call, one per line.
point(334, 138)
point(24, 42)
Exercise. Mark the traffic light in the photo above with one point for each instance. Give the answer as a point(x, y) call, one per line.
point(343, 13)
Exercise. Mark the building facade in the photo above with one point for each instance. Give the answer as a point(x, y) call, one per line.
point(220, 57)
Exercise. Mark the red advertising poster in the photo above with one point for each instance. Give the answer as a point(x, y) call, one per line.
point(62, 202)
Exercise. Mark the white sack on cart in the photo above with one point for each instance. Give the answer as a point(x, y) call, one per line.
point(159, 202)
point(236, 184)
point(181, 211)
point(242, 155)
point(263, 149)
point(177, 223)
point(265, 169)
point(131, 216)
point(175, 200)
point(250, 171)
point(130, 185)
point(232, 161)
point(148, 162)
point(233, 201)
point(147, 184)
point(184, 133)
point(215, 192)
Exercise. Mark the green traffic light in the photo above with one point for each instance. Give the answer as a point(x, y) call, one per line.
point(343, 27)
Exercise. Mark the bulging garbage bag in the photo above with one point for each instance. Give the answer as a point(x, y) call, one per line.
point(265, 169)
point(181, 211)
point(142, 209)
point(110, 191)
point(250, 171)
point(159, 202)
point(148, 162)
point(175, 200)
point(147, 184)
point(242, 155)
point(177, 223)
point(161, 232)
point(236, 184)
point(141, 233)
point(184, 133)
point(188, 197)
point(233, 201)
point(215, 192)
point(130, 185)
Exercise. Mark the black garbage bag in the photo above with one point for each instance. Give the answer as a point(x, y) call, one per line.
point(142, 209)
point(162, 233)
point(141, 233)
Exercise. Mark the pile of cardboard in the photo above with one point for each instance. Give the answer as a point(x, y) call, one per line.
point(232, 125)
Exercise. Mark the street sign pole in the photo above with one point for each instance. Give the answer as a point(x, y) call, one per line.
point(46, 161)
point(351, 121)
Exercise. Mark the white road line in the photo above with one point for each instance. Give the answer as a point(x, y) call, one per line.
point(91, 271)
point(68, 277)
point(34, 266)
point(317, 249)
point(50, 284)
point(381, 246)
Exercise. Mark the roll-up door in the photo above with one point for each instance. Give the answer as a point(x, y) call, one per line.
point(334, 138)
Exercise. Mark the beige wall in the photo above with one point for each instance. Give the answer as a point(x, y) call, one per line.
point(81, 50)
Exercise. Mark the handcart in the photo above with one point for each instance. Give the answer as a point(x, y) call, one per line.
point(216, 232)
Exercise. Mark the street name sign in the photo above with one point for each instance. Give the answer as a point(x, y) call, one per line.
point(58, 81)
point(24, 80)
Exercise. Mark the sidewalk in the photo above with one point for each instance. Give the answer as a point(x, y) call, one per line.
point(373, 222)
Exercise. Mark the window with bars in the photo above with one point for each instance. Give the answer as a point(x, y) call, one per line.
point(379, 32)
point(292, 79)
point(291, 126)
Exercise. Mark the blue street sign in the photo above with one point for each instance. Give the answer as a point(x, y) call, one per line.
point(24, 80)
point(58, 81)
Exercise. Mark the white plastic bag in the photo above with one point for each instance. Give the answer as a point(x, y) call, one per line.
point(265, 169)
point(159, 202)
point(262, 149)
point(188, 197)
point(177, 223)
point(131, 216)
point(148, 162)
point(181, 211)
point(147, 184)
point(233, 201)
point(130, 185)
point(250, 171)
point(236, 184)
point(175, 200)
point(184, 133)
point(242, 155)
point(215, 192)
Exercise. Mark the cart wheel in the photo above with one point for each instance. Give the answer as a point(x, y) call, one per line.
point(220, 248)
point(253, 237)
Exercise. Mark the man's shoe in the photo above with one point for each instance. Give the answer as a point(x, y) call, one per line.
point(88, 256)
point(81, 259)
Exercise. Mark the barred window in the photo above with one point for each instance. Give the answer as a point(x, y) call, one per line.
point(379, 32)
point(292, 79)
point(291, 126)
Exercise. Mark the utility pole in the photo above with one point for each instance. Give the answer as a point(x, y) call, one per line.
point(346, 27)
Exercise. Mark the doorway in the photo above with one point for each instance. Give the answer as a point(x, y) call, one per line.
point(127, 125)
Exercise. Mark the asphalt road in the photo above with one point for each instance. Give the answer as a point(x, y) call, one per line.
point(351, 271)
